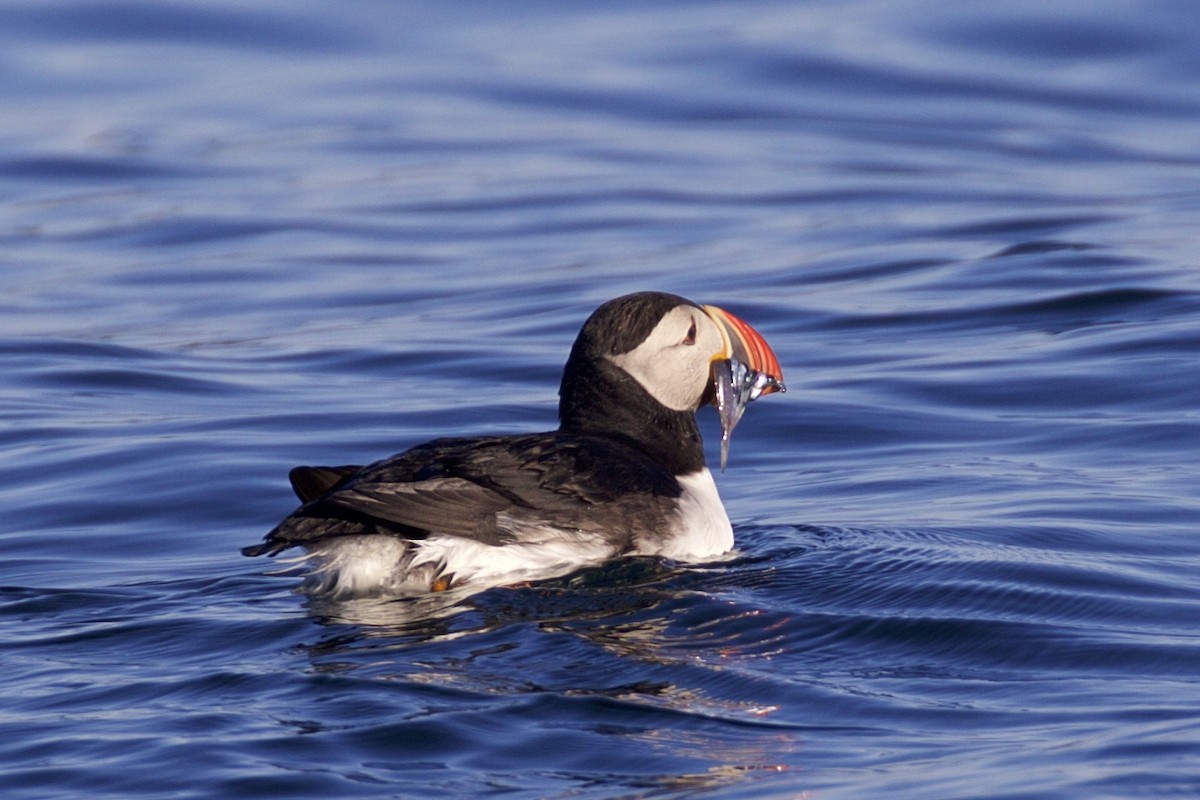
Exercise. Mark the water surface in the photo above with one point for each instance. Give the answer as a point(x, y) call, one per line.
point(237, 239)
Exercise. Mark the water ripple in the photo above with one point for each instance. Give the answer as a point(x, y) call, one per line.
point(238, 239)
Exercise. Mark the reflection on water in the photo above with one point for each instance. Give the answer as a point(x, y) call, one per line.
point(236, 240)
point(615, 642)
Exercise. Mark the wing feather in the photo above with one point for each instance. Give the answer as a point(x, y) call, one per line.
point(487, 490)
point(309, 483)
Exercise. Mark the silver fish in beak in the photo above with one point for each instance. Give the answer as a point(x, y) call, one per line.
point(743, 371)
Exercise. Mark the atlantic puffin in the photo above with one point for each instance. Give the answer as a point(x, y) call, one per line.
point(624, 473)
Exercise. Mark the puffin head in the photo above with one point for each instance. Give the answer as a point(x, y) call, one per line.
point(678, 353)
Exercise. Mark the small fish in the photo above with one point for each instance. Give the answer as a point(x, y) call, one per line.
point(734, 387)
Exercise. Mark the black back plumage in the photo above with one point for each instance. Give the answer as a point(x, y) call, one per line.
point(609, 470)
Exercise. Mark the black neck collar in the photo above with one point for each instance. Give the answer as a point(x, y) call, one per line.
point(598, 397)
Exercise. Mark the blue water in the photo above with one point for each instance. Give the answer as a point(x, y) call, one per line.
point(239, 237)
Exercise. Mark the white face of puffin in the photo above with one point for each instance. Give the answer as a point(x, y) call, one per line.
point(674, 363)
point(694, 348)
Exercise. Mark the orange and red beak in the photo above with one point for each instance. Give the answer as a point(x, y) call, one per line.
point(744, 370)
point(747, 346)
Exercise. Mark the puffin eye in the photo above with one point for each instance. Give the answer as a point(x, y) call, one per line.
point(691, 334)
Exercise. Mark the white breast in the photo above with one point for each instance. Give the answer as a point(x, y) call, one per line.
point(703, 530)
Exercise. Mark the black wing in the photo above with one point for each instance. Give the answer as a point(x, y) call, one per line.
point(485, 489)
point(309, 483)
